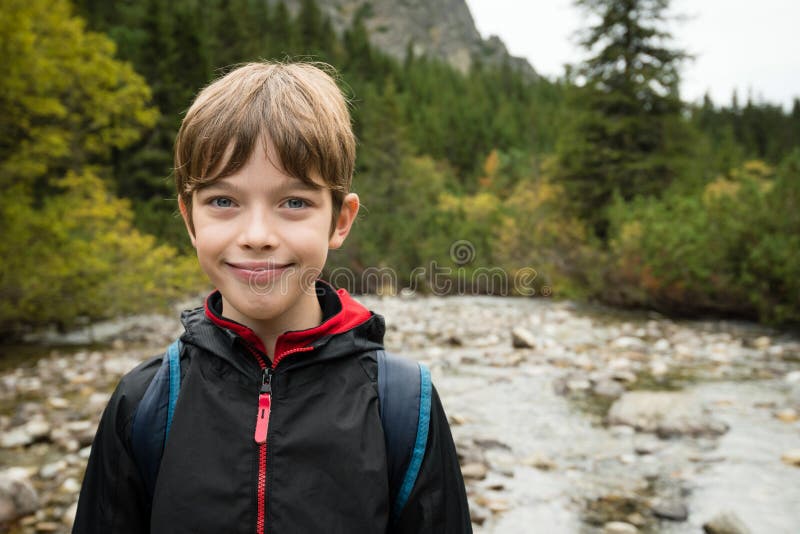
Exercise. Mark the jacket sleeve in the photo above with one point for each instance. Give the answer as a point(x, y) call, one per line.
point(438, 502)
point(113, 496)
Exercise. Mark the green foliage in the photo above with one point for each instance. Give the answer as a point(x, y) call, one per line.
point(78, 257)
point(66, 105)
point(65, 102)
point(729, 248)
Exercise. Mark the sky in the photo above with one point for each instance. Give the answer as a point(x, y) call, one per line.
point(750, 46)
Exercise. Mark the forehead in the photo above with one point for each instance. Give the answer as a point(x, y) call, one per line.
point(262, 168)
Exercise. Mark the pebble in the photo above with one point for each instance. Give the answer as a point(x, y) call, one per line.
point(539, 461)
point(788, 415)
point(17, 494)
point(474, 471)
point(522, 339)
point(628, 342)
point(71, 485)
point(725, 523)
point(762, 342)
point(17, 437)
point(792, 457)
point(619, 527)
point(662, 345)
point(671, 509)
point(793, 377)
point(59, 403)
point(69, 514)
point(52, 470)
point(610, 389)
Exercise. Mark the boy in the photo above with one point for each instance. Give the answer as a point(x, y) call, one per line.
point(277, 427)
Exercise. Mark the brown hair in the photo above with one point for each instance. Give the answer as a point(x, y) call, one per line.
point(296, 106)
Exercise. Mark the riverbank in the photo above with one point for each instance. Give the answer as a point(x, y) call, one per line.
point(566, 419)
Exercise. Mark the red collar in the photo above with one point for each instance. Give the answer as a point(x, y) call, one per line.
point(347, 314)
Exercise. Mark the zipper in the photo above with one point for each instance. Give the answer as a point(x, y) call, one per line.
point(262, 425)
point(262, 428)
point(264, 402)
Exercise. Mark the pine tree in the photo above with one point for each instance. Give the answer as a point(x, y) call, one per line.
point(627, 129)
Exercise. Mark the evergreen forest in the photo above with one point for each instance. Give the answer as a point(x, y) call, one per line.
point(601, 185)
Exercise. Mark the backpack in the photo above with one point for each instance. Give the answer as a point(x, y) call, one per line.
point(404, 393)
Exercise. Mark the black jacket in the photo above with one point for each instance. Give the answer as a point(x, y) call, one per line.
point(323, 466)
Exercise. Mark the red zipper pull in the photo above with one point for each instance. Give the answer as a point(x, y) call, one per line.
point(264, 402)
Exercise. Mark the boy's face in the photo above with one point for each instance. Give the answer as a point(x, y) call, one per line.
point(262, 238)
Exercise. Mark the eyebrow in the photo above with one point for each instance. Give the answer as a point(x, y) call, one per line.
point(291, 183)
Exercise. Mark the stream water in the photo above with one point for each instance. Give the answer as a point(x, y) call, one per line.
point(530, 423)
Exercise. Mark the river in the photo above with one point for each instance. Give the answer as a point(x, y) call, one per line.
point(541, 429)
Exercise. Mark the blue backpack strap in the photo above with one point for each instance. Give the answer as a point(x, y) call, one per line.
point(153, 416)
point(404, 392)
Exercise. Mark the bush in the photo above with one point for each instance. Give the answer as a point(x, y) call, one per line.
point(78, 257)
point(730, 248)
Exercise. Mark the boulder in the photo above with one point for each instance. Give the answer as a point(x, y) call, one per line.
point(665, 413)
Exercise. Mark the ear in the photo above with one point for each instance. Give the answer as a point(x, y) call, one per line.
point(347, 215)
point(185, 215)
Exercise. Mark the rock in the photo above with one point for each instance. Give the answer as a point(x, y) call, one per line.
point(662, 345)
point(71, 485)
point(454, 341)
point(474, 471)
point(619, 527)
point(792, 457)
point(578, 384)
point(624, 376)
point(522, 339)
point(497, 506)
point(658, 368)
point(489, 443)
point(38, 428)
point(47, 526)
point(59, 403)
point(793, 377)
point(762, 342)
point(725, 523)
point(665, 413)
point(629, 343)
point(672, 509)
point(608, 388)
point(16, 437)
point(646, 446)
point(539, 461)
point(69, 514)
point(787, 415)
point(17, 495)
point(456, 420)
point(49, 471)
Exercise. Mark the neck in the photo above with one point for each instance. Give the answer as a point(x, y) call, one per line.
point(305, 314)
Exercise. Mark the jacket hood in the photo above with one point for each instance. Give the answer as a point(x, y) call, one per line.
point(347, 328)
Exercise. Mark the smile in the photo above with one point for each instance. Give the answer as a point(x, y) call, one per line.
point(258, 271)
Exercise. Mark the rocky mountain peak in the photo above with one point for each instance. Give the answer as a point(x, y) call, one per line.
point(441, 29)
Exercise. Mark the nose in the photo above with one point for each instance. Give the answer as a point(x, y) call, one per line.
point(259, 231)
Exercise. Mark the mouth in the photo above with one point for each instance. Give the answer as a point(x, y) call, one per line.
point(258, 273)
point(259, 266)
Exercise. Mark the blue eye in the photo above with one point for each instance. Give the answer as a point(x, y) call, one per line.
point(221, 202)
point(296, 203)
